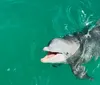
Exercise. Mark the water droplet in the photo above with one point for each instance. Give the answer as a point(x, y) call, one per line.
point(66, 26)
point(14, 70)
point(8, 69)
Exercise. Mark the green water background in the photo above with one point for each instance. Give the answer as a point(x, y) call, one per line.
point(26, 26)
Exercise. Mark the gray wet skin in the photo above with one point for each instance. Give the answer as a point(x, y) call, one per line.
point(82, 47)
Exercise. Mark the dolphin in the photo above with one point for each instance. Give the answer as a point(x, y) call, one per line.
point(75, 50)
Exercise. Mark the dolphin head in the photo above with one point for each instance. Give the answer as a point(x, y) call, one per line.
point(59, 50)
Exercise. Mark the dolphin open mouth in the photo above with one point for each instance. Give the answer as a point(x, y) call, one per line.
point(52, 53)
point(53, 57)
point(49, 56)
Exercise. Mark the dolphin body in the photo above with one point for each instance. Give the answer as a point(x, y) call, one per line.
point(75, 50)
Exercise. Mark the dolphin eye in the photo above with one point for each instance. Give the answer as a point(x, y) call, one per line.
point(67, 53)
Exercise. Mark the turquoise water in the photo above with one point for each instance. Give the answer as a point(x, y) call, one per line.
point(26, 26)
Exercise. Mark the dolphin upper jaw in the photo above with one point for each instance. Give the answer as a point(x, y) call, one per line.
point(63, 47)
